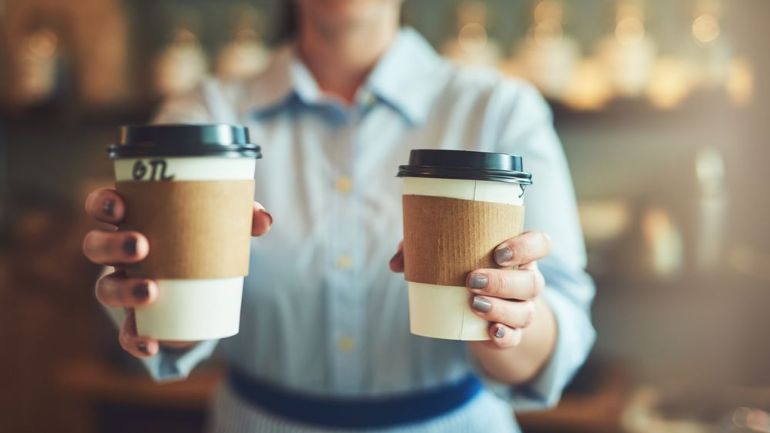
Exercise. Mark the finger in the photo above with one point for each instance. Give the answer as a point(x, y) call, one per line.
point(521, 284)
point(105, 205)
point(262, 220)
point(525, 248)
point(108, 248)
point(397, 261)
point(503, 336)
point(140, 347)
point(514, 314)
point(116, 290)
point(178, 345)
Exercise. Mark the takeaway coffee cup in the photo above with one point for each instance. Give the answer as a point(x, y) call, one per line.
point(189, 189)
point(458, 206)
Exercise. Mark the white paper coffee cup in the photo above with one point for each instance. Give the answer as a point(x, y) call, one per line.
point(190, 309)
point(439, 310)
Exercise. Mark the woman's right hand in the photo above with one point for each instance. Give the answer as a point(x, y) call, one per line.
point(118, 247)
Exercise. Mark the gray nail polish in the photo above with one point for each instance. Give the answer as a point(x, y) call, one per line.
point(503, 255)
point(109, 208)
point(142, 346)
point(141, 292)
point(478, 281)
point(481, 304)
point(499, 332)
point(129, 246)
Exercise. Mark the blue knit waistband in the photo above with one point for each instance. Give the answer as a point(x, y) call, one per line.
point(354, 413)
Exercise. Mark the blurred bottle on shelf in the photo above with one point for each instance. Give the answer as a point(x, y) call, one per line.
point(50, 41)
point(718, 64)
point(245, 54)
point(739, 84)
point(672, 79)
point(182, 64)
point(472, 44)
point(629, 52)
point(38, 67)
point(711, 50)
point(664, 246)
point(589, 87)
point(548, 56)
point(711, 209)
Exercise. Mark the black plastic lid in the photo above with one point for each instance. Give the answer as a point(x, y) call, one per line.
point(218, 140)
point(465, 164)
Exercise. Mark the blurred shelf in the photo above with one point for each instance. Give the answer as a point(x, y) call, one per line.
point(627, 110)
point(53, 112)
point(638, 110)
point(98, 382)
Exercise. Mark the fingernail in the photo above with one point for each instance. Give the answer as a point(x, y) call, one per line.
point(503, 254)
point(481, 304)
point(141, 291)
point(129, 246)
point(109, 207)
point(500, 331)
point(270, 217)
point(142, 347)
point(478, 281)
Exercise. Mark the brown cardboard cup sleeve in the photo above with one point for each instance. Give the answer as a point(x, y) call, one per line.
point(445, 238)
point(196, 229)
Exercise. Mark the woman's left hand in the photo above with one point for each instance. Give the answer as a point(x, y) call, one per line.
point(504, 296)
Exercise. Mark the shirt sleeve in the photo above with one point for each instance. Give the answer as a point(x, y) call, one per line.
point(527, 129)
point(169, 364)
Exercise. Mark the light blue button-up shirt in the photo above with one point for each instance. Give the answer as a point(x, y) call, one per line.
point(322, 313)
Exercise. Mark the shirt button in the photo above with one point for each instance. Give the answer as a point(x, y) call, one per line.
point(344, 184)
point(368, 98)
point(345, 344)
point(344, 262)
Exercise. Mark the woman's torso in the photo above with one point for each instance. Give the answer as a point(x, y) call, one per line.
point(322, 313)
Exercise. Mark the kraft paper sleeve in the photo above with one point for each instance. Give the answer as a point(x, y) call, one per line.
point(445, 238)
point(196, 229)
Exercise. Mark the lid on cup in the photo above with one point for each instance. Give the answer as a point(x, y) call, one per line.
point(465, 164)
point(218, 140)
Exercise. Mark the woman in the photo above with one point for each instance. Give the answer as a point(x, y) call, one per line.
point(324, 341)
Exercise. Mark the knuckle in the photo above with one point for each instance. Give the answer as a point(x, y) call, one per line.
point(546, 240)
point(520, 250)
point(88, 204)
point(93, 245)
point(89, 240)
point(533, 284)
point(539, 282)
point(497, 282)
point(529, 315)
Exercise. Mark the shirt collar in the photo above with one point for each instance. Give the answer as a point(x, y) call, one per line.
point(407, 77)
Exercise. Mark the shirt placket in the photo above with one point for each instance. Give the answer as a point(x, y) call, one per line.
point(346, 294)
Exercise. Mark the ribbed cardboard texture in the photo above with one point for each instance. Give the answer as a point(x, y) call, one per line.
point(196, 229)
point(445, 238)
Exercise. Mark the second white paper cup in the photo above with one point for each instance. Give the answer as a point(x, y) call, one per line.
point(444, 311)
point(192, 309)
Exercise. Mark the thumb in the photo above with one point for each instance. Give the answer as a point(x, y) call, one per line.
point(397, 261)
point(262, 220)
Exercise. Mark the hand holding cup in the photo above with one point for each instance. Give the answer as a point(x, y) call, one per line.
point(117, 248)
point(505, 296)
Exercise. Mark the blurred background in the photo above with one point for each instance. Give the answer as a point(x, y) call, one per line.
point(663, 111)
